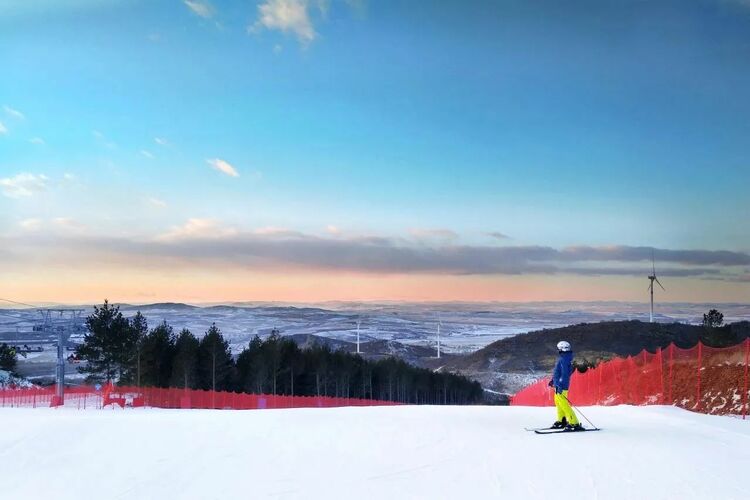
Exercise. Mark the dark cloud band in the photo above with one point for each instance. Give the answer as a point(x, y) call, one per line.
point(390, 255)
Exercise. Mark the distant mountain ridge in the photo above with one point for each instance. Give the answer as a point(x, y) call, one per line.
point(508, 364)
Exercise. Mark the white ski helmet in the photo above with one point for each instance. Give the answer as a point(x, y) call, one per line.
point(563, 346)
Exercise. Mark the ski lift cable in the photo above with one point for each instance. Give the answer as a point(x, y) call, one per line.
point(19, 303)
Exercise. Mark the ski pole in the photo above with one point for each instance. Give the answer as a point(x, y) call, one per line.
point(578, 410)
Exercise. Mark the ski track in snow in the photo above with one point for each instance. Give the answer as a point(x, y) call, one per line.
point(408, 452)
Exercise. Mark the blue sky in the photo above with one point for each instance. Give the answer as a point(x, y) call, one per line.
point(426, 125)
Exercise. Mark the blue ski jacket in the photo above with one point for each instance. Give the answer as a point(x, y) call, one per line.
point(563, 370)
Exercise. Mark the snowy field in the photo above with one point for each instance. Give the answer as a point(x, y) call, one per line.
point(466, 327)
point(388, 452)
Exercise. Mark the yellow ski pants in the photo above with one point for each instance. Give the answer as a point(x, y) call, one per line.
point(564, 409)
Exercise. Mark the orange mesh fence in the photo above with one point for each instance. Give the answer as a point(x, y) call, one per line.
point(83, 397)
point(704, 379)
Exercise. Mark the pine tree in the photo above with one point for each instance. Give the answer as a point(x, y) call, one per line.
point(272, 353)
point(319, 357)
point(8, 357)
point(252, 367)
point(139, 327)
point(215, 365)
point(185, 366)
point(108, 346)
point(713, 319)
point(157, 355)
point(291, 365)
point(715, 334)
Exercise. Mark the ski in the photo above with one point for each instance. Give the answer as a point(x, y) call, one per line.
point(534, 429)
point(563, 431)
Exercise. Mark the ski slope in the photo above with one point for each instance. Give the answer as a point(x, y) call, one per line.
point(389, 452)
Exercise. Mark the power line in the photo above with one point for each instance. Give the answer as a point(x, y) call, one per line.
point(19, 303)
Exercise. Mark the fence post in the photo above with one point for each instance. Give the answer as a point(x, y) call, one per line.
point(700, 361)
point(661, 374)
point(744, 394)
point(642, 379)
point(671, 363)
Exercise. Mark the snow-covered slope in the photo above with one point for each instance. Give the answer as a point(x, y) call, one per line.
point(389, 452)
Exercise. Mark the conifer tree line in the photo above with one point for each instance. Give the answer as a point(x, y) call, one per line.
point(126, 351)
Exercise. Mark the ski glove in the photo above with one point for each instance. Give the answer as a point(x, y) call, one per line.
point(558, 390)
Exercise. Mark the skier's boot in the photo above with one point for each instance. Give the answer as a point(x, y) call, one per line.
point(574, 427)
point(560, 424)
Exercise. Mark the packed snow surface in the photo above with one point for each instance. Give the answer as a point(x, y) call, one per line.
point(387, 452)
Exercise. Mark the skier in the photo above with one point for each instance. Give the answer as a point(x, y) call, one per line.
point(566, 417)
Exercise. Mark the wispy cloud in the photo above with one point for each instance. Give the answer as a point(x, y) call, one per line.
point(276, 231)
point(287, 16)
point(23, 185)
point(223, 167)
point(37, 140)
point(147, 154)
point(161, 141)
point(197, 229)
point(103, 140)
point(498, 235)
point(3, 128)
point(14, 113)
point(68, 223)
point(32, 224)
point(156, 202)
point(200, 8)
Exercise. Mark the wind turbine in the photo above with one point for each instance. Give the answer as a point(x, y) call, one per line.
point(358, 351)
point(438, 336)
point(653, 278)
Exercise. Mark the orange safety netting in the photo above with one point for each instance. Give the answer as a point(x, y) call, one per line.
point(704, 379)
point(90, 397)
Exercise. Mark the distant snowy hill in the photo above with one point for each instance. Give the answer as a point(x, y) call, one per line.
point(466, 327)
point(510, 364)
point(371, 349)
point(406, 330)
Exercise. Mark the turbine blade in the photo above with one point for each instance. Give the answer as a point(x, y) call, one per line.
point(662, 286)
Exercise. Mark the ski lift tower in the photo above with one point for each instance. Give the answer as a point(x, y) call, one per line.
point(63, 328)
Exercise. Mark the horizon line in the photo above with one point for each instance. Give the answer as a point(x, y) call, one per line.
point(241, 303)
